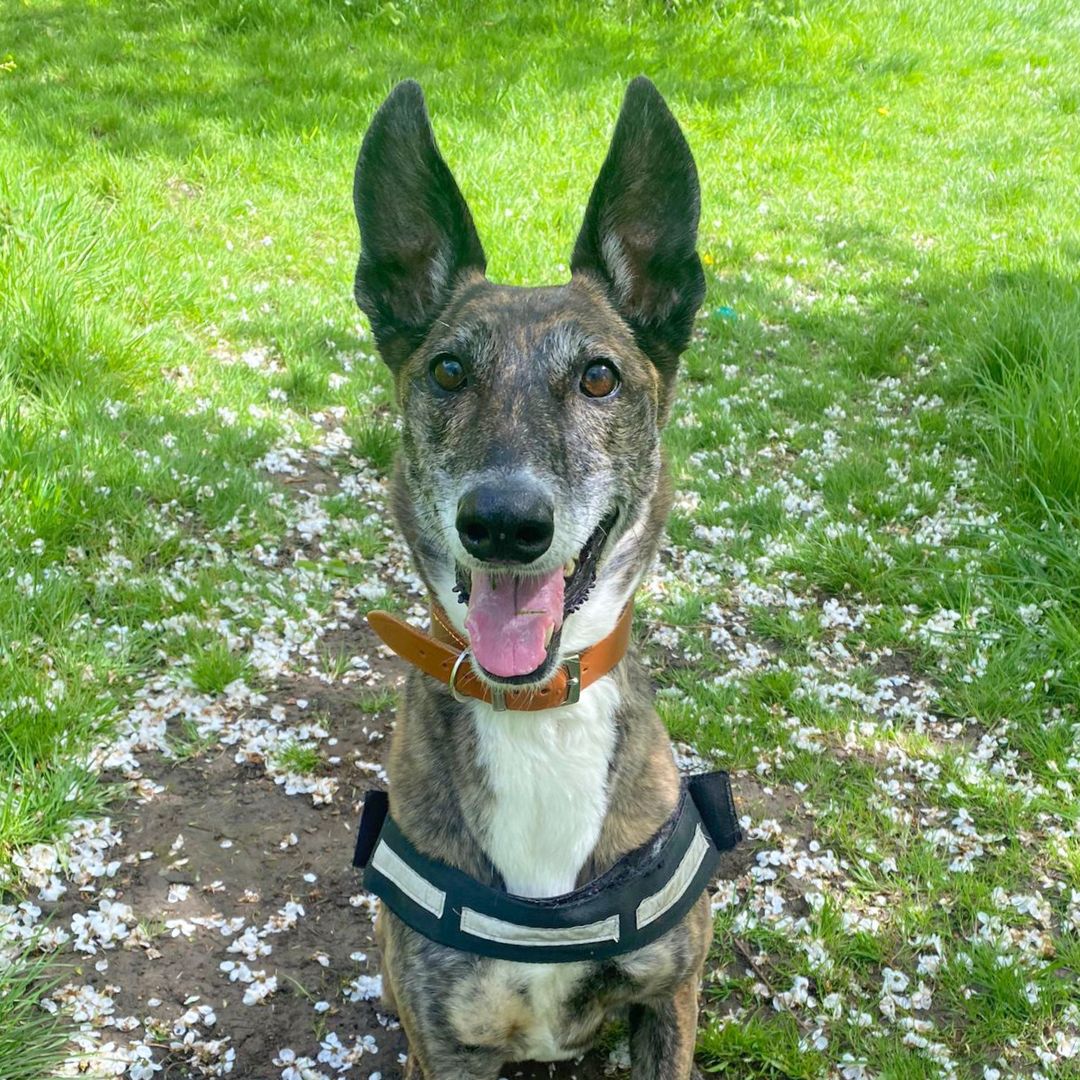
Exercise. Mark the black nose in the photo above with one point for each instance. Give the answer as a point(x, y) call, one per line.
point(505, 522)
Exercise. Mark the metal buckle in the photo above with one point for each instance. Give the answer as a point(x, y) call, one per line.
point(573, 680)
point(498, 698)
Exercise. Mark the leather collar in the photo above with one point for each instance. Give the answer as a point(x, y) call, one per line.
point(444, 655)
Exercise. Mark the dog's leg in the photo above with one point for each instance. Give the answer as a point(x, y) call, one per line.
point(386, 968)
point(434, 1053)
point(434, 1057)
point(445, 1070)
point(662, 1036)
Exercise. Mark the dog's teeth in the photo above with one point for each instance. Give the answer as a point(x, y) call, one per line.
point(569, 568)
point(548, 636)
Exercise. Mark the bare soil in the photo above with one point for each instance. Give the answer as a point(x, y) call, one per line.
point(209, 799)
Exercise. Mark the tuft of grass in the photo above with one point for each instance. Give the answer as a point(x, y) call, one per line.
point(32, 1040)
point(42, 800)
point(1027, 374)
point(305, 382)
point(759, 1050)
point(304, 760)
point(375, 439)
point(215, 666)
point(372, 702)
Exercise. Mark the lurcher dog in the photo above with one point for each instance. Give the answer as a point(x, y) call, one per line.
point(532, 493)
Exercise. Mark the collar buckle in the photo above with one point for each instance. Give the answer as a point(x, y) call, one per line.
point(573, 680)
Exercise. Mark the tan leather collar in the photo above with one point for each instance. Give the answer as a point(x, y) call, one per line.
point(444, 655)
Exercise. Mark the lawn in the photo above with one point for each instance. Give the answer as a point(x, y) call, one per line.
point(869, 608)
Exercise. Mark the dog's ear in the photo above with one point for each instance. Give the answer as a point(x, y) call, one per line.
point(640, 231)
point(417, 237)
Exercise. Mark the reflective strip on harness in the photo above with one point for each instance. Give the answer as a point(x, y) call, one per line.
point(394, 868)
point(508, 933)
point(643, 896)
point(651, 909)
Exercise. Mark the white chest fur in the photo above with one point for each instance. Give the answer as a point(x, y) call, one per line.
point(548, 775)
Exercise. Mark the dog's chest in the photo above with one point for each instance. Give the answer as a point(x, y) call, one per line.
point(547, 774)
point(548, 778)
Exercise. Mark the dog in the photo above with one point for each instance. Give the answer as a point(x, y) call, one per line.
point(532, 493)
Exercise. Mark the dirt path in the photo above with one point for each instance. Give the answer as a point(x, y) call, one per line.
point(222, 867)
point(249, 850)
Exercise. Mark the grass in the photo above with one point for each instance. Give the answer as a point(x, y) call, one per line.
point(304, 760)
point(1027, 370)
point(878, 428)
point(215, 666)
point(31, 1039)
point(760, 1051)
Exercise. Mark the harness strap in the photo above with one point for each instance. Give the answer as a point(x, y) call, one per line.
point(716, 804)
point(642, 897)
point(376, 807)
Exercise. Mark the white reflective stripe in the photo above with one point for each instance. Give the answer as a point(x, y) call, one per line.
point(415, 886)
point(651, 908)
point(508, 933)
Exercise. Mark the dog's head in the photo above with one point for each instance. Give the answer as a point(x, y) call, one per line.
point(530, 477)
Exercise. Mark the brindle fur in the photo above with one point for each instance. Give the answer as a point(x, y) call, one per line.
point(636, 283)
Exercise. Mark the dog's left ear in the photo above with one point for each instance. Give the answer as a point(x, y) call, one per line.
point(640, 231)
point(417, 238)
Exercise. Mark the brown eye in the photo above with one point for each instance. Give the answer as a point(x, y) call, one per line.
point(599, 380)
point(448, 372)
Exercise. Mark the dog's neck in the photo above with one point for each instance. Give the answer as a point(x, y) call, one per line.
point(547, 772)
point(547, 777)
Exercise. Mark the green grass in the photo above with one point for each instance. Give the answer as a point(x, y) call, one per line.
point(295, 758)
point(881, 412)
point(1027, 370)
point(31, 1039)
point(215, 666)
point(374, 439)
point(759, 1050)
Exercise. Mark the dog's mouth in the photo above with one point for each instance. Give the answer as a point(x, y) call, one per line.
point(515, 620)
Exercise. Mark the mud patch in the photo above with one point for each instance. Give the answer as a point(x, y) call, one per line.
point(247, 852)
point(213, 860)
point(217, 857)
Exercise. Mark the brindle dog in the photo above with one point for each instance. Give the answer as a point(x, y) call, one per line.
point(531, 467)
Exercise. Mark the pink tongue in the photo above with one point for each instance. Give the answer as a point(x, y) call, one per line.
point(509, 618)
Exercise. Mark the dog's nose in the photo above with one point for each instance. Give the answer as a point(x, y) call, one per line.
point(507, 523)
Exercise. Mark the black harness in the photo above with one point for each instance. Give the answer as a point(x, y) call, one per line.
point(639, 899)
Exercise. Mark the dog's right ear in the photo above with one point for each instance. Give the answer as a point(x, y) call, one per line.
point(417, 237)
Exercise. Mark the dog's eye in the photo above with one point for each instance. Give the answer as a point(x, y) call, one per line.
point(448, 372)
point(599, 380)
